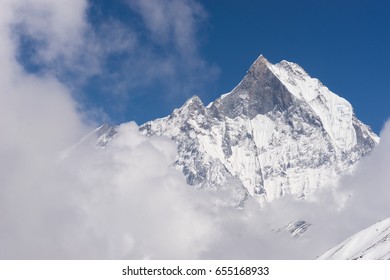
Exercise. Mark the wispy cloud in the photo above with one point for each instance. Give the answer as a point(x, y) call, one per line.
point(168, 54)
point(172, 22)
point(112, 59)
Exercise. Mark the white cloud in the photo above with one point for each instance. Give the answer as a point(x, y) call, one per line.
point(117, 59)
point(168, 50)
point(122, 202)
point(172, 21)
point(57, 25)
point(368, 189)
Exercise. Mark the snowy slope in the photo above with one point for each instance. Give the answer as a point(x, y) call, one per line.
point(370, 243)
point(278, 132)
point(97, 137)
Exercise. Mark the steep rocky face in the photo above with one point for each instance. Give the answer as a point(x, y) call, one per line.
point(105, 134)
point(260, 92)
point(278, 132)
point(296, 228)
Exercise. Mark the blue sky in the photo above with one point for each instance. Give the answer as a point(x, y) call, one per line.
point(144, 58)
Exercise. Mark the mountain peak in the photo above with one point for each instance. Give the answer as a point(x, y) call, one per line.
point(193, 102)
point(192, 106)
point(278, 132)
point(261, 60)
point(194, 99)
point(260, 63)
point(259, 92)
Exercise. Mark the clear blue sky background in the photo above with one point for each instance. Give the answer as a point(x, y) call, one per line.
point(343, 43)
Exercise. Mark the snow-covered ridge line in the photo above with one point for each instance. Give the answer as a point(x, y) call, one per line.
point(335, 112)
point(91, 135)
point(370, 243)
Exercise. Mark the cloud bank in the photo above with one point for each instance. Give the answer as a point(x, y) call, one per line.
point(127, 201)
point(123, 202)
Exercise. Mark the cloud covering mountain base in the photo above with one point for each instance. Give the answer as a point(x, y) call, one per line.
point(127, 201)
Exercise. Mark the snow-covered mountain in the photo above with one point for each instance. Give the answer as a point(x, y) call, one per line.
point(278, 132)
point(370, 243)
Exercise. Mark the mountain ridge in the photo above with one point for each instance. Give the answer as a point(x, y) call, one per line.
point(278, 132)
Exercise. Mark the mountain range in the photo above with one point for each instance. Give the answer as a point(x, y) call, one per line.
point(278, 132)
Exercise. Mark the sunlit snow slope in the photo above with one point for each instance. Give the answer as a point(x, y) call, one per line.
point(370, 243)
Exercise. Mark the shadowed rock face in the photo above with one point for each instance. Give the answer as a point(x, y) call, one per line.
point(105, 133)
point(278, 132)
point(259, 92)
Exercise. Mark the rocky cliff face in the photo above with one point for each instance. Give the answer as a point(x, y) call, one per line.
point(278, 132)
